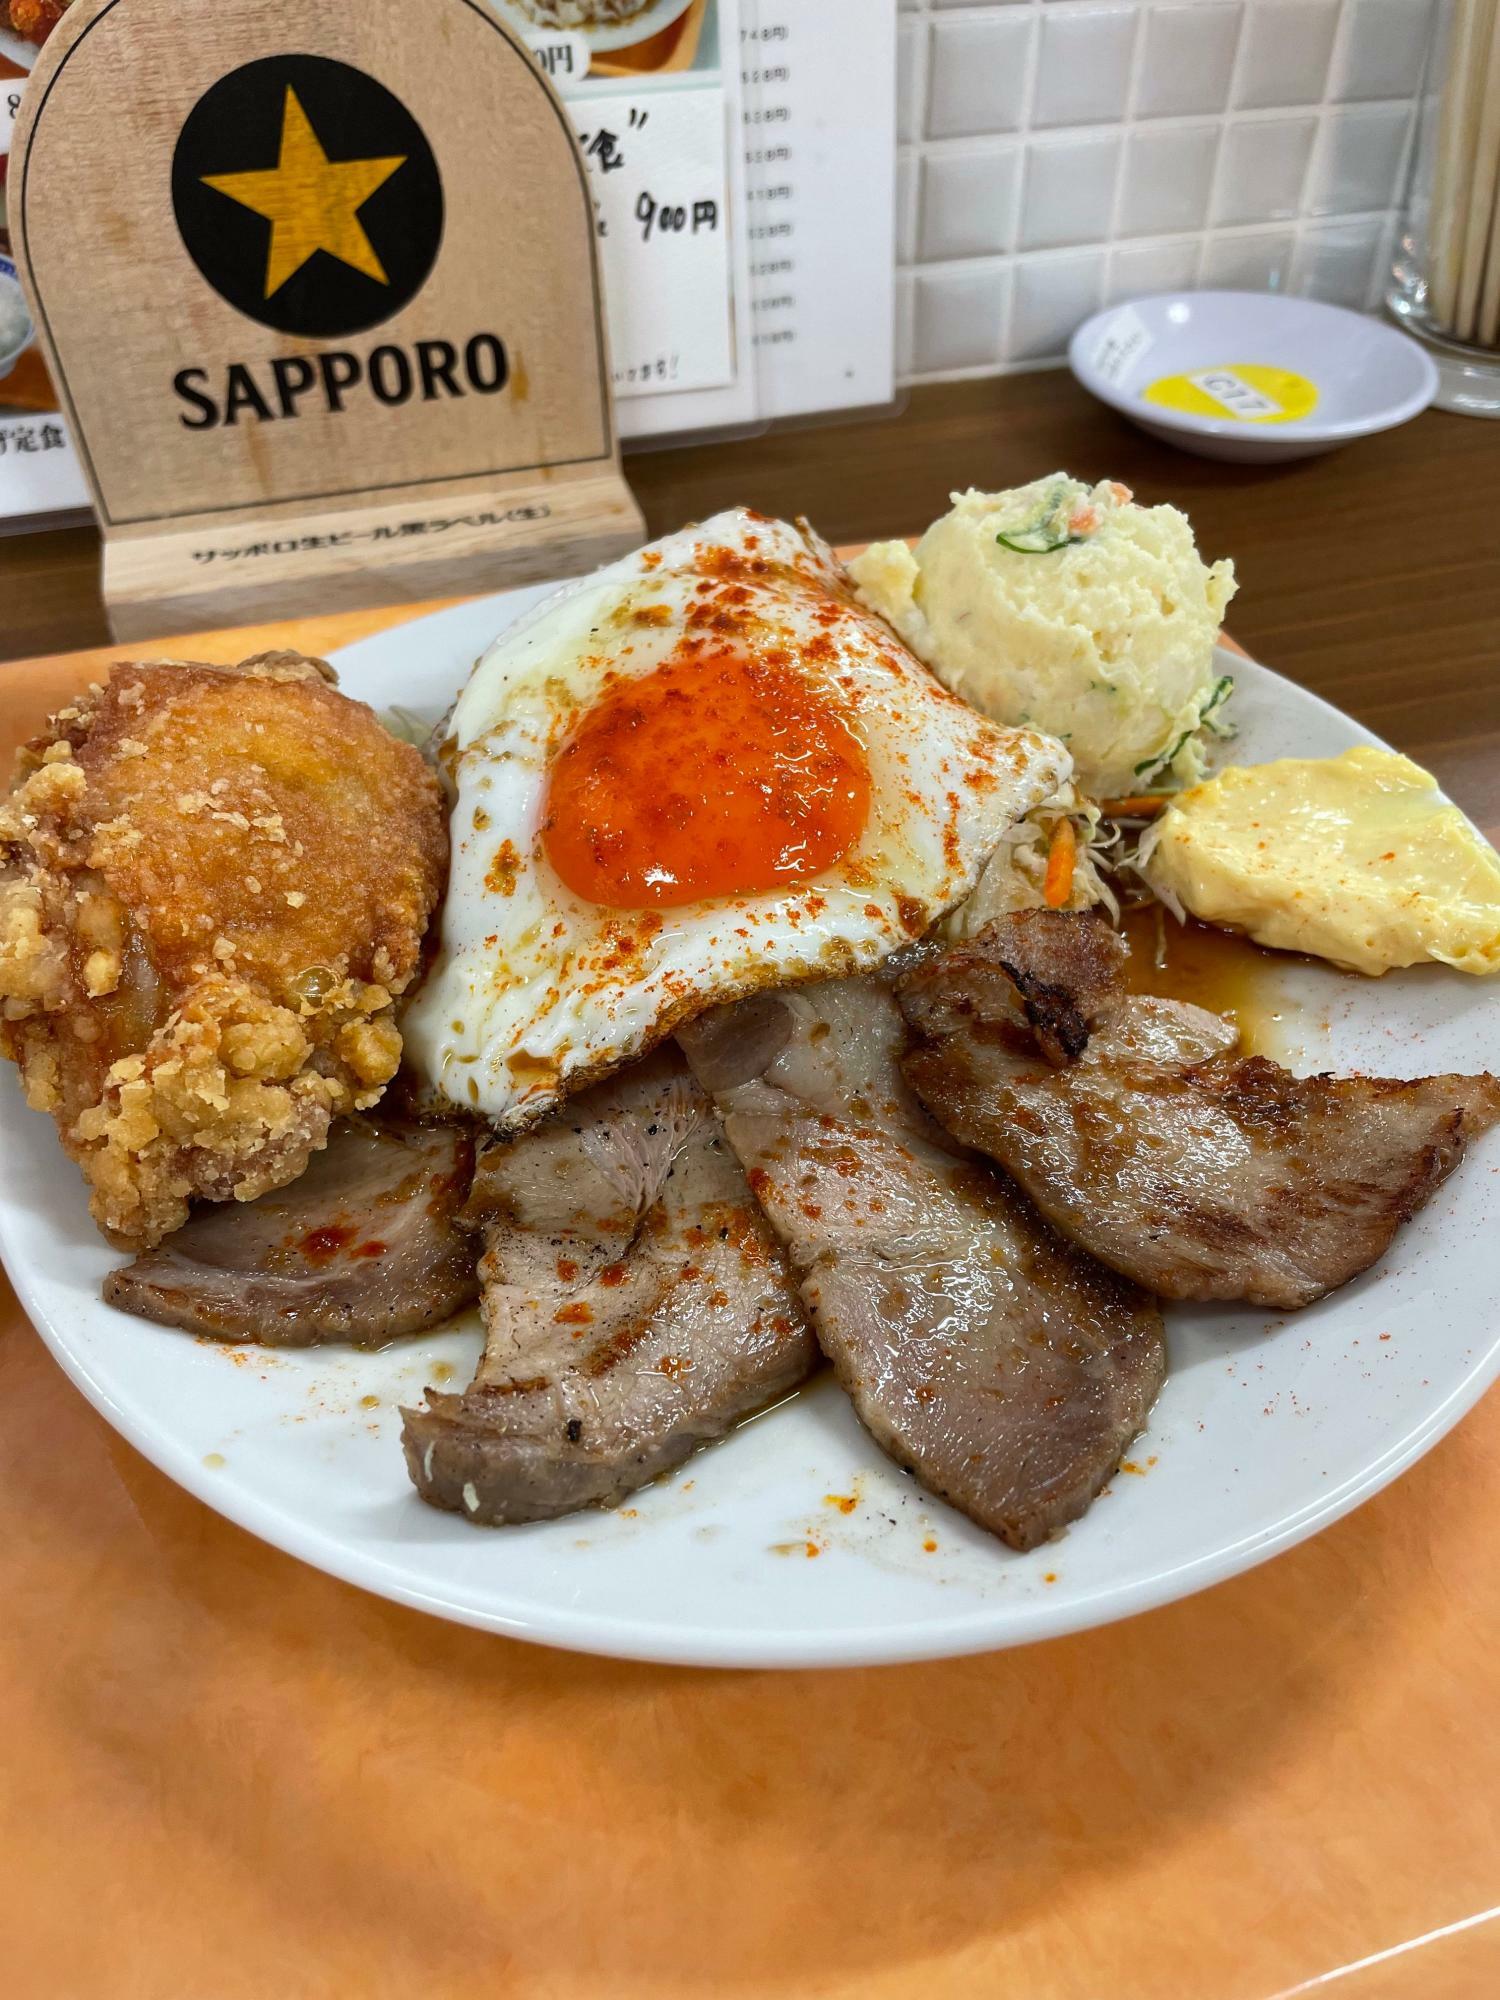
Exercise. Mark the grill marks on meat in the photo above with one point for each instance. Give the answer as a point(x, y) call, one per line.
point(364, 1247)
point(635, 1307)
point(1061, 977)
point(997, 1363)
point(1200, 1173)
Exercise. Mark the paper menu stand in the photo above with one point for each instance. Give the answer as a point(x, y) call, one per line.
point(319, 291)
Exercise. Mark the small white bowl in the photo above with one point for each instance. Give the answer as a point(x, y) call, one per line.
point(12, 348)
point(1251, 375)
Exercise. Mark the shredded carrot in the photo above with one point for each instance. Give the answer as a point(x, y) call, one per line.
point(1061, 855)
point(1141, 805)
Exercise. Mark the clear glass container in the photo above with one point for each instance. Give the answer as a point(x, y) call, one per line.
point(1445, 281)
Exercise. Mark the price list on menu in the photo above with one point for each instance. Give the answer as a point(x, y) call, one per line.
point(745, 189)
point(818, 111)
point(661, 203)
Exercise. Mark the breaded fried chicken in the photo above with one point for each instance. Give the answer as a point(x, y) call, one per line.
point(214, 881)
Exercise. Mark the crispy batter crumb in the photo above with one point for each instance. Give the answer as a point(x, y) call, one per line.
point(205, 919)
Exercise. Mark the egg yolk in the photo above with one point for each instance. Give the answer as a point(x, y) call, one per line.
point(720, 775)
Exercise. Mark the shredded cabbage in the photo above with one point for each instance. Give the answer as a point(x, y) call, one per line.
point(1015, 875)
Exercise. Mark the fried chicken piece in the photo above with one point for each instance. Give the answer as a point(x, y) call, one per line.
point(214, 881)
point(33, 19)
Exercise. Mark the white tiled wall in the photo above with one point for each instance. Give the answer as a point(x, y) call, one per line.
point(1059, 154)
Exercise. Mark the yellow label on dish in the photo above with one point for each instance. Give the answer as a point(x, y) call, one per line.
point(1248, 392)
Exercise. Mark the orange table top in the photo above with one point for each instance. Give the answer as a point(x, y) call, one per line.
point(229, 1776)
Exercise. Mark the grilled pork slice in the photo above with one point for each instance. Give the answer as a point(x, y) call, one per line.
point(364, 1247)
point(1136, 1128)
point(993, 1360)
point(635, 1306)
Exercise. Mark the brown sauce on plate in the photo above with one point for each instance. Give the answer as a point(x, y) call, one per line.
point(1211, 968)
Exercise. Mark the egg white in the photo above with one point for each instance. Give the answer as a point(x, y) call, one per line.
point(536, 991)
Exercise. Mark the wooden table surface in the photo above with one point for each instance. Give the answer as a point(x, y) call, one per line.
point(226, 1775)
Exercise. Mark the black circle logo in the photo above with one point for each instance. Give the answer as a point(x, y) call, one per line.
point(307, 195)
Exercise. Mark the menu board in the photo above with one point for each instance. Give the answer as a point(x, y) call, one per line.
point(787, 250)
point(819, 87)
point(742, 160)
point(41, 481)
point(654, 94)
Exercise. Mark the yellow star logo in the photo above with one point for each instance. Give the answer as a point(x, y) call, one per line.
point(312, 202)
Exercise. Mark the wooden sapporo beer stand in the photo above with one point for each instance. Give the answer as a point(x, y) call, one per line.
point(319, 291)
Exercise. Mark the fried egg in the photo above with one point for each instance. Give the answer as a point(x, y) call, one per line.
point(703, 770)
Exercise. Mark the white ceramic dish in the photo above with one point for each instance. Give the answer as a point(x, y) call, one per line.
point(1264, 1433)
point(1251, 376)
point(652, 18)
point(10, 290)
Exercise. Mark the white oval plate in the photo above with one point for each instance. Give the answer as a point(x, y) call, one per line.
point(1264, 1433)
